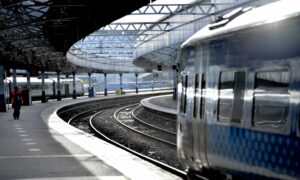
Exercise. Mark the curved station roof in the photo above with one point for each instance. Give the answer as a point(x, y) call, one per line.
point(36, 34)
point(149, 36)
point(40, 34)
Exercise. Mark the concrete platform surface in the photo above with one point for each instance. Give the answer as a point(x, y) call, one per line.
point(42, 146)
point(164, 103)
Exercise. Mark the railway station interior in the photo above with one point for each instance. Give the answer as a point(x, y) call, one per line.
point(125, 89)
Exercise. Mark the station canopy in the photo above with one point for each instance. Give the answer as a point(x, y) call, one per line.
point(149, 36)
point(36, 34)
point(21, 32)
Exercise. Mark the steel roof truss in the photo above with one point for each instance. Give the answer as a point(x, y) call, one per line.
point(178, 9)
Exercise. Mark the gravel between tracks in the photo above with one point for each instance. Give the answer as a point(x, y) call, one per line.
point(107, 125)
point(158, 120)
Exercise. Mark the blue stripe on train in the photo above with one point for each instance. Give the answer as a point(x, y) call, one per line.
point(278, 153)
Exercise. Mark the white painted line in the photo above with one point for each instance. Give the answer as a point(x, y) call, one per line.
point(112, 177)
point(83, 177)
point(30, 143)
point(21, 131)
point(18, 128)
point(17, 125)
point(34, 150)
point(23, 135)
point(47, 156)
point(26, 139)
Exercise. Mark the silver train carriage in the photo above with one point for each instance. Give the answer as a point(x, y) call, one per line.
point(66, 86)
point(239, 94)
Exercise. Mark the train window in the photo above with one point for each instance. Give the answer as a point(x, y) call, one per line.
point(202, 100)
point(231, 96)
point(184, 93)
point(271, 99)
point(36, 86)
point(276, 80)
point(226, 85)
point(238, 97)
point(196, 86)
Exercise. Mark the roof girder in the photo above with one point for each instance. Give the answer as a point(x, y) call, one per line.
point(120, 33)
point(196, 8)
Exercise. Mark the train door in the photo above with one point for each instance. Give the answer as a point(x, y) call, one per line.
point(199, 131)
point(224, 107)
point(186, 120)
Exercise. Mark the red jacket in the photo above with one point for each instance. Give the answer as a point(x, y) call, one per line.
point(13, 95)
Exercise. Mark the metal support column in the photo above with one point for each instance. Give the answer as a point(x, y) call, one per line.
point(121, 83)
point(175, 69)
point(2, 92)
point(58, 86)
point(153, 81)
point(91, 89)
point(136, 83)
point(44, 100)
point(10, 87)
point(74, 86)
point(105, 84)
point(28, 85)
point(54, 88)
point(14, 78)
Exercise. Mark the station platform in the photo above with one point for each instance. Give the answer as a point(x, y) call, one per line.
point(164, 103)
point(42, 146)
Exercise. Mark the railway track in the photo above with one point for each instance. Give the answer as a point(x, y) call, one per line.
point(163, 120)
point(68, 112)
point(126, 118)
point(81, 120)
point(165, 166)
point(87, 118)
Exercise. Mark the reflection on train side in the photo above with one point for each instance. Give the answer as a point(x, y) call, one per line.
point(239, 96)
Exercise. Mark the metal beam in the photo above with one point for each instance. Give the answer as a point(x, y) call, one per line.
point(197, 8)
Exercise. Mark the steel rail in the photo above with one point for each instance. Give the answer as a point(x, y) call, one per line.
point(167, 119)
point(149, 125)
point(73, 117)
point(93, 103)
point(137, 131)
point(164, 166)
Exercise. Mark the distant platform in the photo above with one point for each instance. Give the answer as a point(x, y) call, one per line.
point(164, 103)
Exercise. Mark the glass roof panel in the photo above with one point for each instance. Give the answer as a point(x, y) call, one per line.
point(118, 40)
point(174, 1)
point(159, 5)
point(139, 18)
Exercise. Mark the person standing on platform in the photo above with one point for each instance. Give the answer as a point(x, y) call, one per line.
point(16, 101)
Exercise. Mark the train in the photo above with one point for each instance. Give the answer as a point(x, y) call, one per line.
point(66, 86)
point(239, 95)
point(132, 85)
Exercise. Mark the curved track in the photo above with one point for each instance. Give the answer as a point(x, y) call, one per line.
point(68, 111)
point(126, 118)
point(84, 120)
point(162, 121)
point(165, 166)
